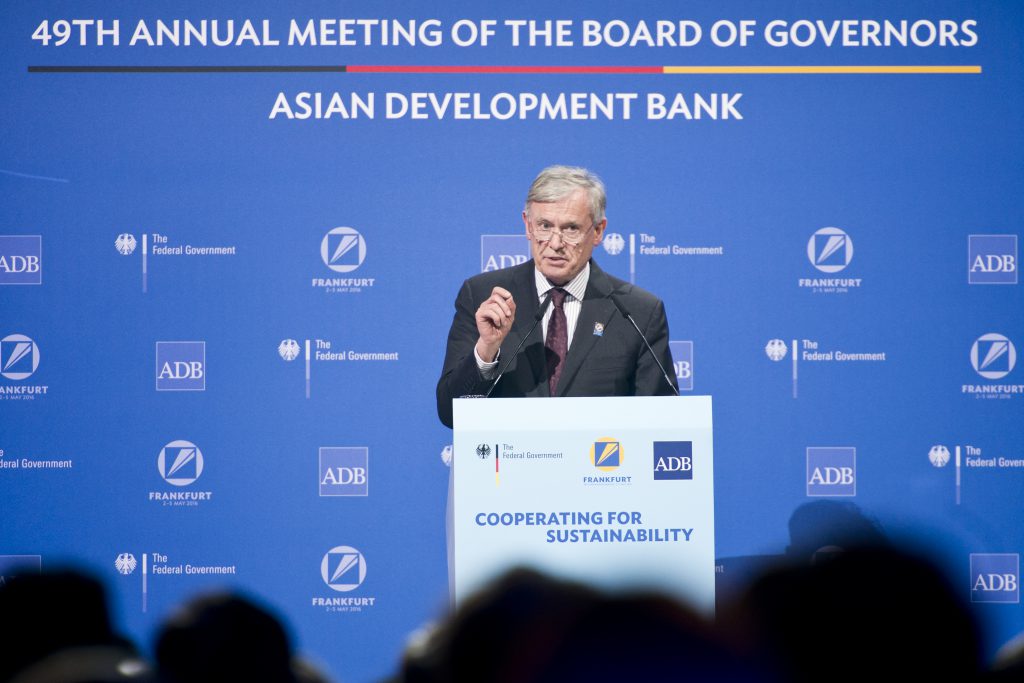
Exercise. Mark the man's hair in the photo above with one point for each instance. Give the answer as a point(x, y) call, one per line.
point(558, 182)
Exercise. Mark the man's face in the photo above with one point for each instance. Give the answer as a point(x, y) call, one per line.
point(556, 259)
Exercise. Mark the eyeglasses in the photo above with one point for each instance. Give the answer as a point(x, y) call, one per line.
point(544, 231)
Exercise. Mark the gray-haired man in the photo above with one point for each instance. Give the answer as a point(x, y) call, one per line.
point(584, 347)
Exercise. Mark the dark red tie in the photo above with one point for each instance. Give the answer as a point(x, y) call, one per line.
point(557, 342)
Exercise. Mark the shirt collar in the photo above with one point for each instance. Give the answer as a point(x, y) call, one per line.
point(575, 287)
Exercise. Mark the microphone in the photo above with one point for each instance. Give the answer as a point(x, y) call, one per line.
point(536, 320)
point(625, 314)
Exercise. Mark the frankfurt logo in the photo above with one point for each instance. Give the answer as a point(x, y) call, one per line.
point(938, 455)
point(125, 244)
point(483, 450)
point(343, 249)
point(180, 463)
point(993, 356)
point(19, 357)
point(830, 250)
point(343, 568)
point(613, 243)
point(606, 454)
point(288, 349)
point(776, 349)
point(125, 563)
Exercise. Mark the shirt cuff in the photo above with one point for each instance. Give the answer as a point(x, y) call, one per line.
point(487, 370)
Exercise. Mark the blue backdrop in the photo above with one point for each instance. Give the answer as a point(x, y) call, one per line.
point(114, 171)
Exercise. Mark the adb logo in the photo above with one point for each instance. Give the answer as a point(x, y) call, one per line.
point(606, 454)
point(831, 471)
point(181, 366)
point(180, 463)
point(19, 357)
point(993, 356)
point(995, 577)
point(343, 249)
point(503, 251)
point(343, 568)
point(673, 460)
point(682, 362)
point(21, 259)
point(344, 471)
point(830, 250)
point(992, 259)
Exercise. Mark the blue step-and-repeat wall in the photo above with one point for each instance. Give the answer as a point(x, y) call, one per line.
point(230, 239)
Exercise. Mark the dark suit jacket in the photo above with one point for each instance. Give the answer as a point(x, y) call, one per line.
point(614, 363)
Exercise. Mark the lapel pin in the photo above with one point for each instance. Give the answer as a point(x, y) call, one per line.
point(598, 329)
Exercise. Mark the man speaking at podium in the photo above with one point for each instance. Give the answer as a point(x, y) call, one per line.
point(585, 343)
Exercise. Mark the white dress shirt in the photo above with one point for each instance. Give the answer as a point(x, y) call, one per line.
point(572, 306)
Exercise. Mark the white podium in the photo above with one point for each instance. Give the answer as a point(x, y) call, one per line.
point(614, 492)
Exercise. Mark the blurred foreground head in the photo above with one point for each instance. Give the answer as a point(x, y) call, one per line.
point(527, 628)
point(864, 613)
point(223, 638)
point(45, 614)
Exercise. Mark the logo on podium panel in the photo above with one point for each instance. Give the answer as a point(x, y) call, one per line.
point(181, 366)
point(831, 471)
point(21, 259)
point(992, 259)
point(673, 460)
point(606, 454)
point(343, 568)
point(995, 577)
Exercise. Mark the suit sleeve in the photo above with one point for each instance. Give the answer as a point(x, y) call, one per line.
point(649, 380)
point(460, 375)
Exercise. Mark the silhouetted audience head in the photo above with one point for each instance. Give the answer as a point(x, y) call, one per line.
point(95, 664)
point(221, 638)
point(526, 628)
point(43, 614)
point(1009, 662)
point(862, 614)
point(823, 527)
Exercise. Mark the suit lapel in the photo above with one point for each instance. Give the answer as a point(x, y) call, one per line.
point(596, 308)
